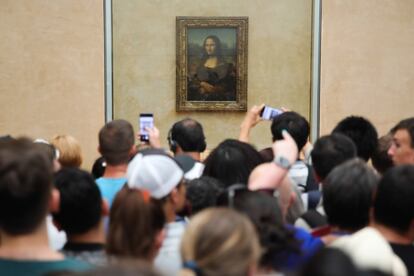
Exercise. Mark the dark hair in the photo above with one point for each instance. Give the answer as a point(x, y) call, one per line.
point(25, 186)
point(188, 134)
point(394, 204)
point(218, 52)
point(276, 240)
point(407, 124)
point(380, 158)
point(80, 201)
point(331, 150)
point(361, 132)
point(48, 149)
point(203, 193)
point(347, 194)
point(116, 139)
point(329, 261)
point(135, 220)
point(232, 162)
point(267, 154)
point(98, 167)
point(295, 124)
point(6, 138)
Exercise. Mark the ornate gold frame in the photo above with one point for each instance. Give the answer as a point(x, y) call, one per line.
point(241, 26)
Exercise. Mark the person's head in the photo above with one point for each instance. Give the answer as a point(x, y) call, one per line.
point(81, 207)
point(98, 167)
point(136, 223)
point(380, 158)
point(212, 46)
point(51, 152)
point(25, 187)
point(393, 203)
point(116, 142)
point(158, 173)
point(231, 162)
point(295, 124)
point(329, 151)
point(220, 241)
point(264, 211)
point(187, 136)
point(402, 146)
point(203, 193)
point(347, 195)
point(267, 154)
point(329, 261)
point(262, 178)
point(362, 133)
point(124, 267)
point(70, 154)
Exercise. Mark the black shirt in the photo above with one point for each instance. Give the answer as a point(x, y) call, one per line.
point(406, 254)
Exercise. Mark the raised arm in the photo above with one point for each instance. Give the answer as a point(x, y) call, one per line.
point(250, 120)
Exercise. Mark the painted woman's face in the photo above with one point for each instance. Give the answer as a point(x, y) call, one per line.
point(210, 46)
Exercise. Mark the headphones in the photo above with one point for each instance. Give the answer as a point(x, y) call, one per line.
point(173, 144)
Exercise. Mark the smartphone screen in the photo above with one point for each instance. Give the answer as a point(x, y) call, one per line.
point(146, 120)
point(268, 113)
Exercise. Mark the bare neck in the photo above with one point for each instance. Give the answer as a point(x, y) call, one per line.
point(95, 235)
point(393, 236)
point(116, 171)
point(32, 246)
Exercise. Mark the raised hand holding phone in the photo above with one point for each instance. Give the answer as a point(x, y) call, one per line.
point(269, 113)
point(146, 121)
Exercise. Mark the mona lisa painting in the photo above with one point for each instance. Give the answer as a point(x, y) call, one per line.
point(211, 63)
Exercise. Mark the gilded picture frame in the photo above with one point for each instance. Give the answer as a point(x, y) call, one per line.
point(211, 63)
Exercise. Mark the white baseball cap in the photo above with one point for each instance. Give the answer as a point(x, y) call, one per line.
point(154, 171)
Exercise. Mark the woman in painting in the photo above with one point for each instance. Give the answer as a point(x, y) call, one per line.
point(214, 78)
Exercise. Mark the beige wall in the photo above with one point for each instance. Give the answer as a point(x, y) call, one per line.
point(52, 70)
point(144, 60)
point(367, 61)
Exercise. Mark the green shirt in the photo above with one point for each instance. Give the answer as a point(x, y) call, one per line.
point(34, 268)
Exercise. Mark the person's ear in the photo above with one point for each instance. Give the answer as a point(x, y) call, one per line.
point(56, 165)
point(159, 238)
point(174, 196)
point(132, 151)
point(54, 201)
point(105, 207)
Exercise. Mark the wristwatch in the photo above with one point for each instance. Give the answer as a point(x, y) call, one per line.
point(282, 162)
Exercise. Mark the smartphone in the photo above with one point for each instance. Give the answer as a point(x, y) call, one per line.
point(268, 113)
point(146, 120)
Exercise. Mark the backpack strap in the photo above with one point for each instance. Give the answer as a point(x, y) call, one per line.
point(313, 199)
point(311, 183)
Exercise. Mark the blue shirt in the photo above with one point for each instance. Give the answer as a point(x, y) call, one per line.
point(109, 187)
point(309, 245)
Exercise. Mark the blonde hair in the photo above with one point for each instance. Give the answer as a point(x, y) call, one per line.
point(70, 154)
point(220, 241)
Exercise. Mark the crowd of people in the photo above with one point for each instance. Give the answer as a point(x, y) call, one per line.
point(343, 206)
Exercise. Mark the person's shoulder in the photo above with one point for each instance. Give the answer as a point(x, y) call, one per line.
point(110, 181)
point(74, 264)
point(31, 267)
